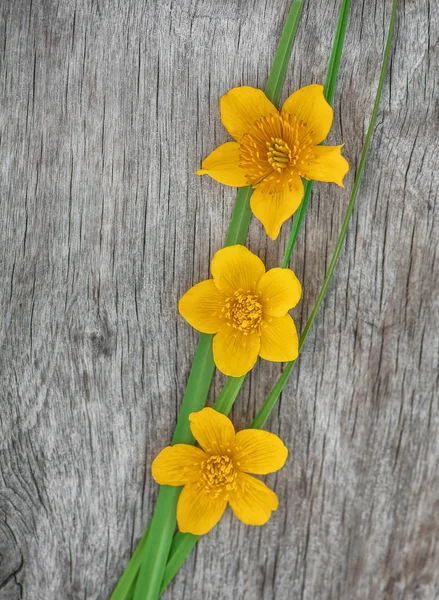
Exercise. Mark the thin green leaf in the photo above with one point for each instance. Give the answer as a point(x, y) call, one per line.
point(227, 395)
point(125, 587)
point(280, 63)
point(330, 83)
point(163, 522)
point(183, 545)
point(337, 49)
point(271, 400)
point(241, 216)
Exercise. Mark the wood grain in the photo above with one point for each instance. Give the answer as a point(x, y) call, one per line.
point(107, 110)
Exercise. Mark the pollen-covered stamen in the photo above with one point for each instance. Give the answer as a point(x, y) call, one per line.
point(278, 154)
point(277, 148)
point(243, 311)
point(218, 475)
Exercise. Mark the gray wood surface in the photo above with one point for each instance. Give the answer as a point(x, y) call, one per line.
point(107, 109)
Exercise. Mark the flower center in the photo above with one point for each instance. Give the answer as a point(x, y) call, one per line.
point(218, 475)
point(278, 154)
point(244, 311)
point(276, 148)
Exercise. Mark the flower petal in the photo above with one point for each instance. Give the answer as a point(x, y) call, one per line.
point(212, 430)
point(274, 209)
point(280, 291)
point(253, 501)
point(309, 106)
point(223, 165)
point(279, 341)
point(259, 452)
point(241, 107)
point(326, 164)
point(235, 352)
point(177, 465)
point(202, 307)
point(198, 512)
point(236, 269)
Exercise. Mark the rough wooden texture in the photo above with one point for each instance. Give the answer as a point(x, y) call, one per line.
point(107, 110)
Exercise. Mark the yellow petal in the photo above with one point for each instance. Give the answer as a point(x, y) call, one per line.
point(309, 106)
point(259, 452)
point(280, 291)
point(279, 341)
point(177, 465)
point(274, 209)
point(198, 512)
point(212, 430)
point(223, 165)
point(326, 164)
point(242, 107)
point(235, 352)
point(201, 306)
point(253, 501)
point(236, 269)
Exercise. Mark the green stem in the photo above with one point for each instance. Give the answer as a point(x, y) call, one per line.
point(227, 395)
point(182, 546)
point(297, 224)
point(230, 391)
point(183, 543)
point(197, 389)
point(241, 215)
point(125, 586)
point(331, 80)
point(337, 49)
point(264, 412)
point(200, 376)
point(163, 522)
point(276, 77)
point(330, 83)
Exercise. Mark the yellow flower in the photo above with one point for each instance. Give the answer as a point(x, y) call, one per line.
point(247, 308)
point(216, 473)
point(274, 150)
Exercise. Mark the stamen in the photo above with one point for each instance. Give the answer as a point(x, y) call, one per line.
point(278, 153)
point(244, 311)
point(278, 144)
point(218, 475)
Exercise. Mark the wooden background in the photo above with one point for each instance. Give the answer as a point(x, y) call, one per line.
point(107, 110)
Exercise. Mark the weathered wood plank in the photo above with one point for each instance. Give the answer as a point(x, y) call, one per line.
point(107, 110)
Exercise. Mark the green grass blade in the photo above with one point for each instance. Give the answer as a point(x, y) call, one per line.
point(280, 63)
point(184, 542)
point(231, 389)
point(297, 224)
point(330, 83)
point(125, 587)
point(271, 400)
point(337, 49)
point(163, 522)
point(265, 410)
point(197, 389)
point(241, 215)
point(183, 545)
point(227, 396)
